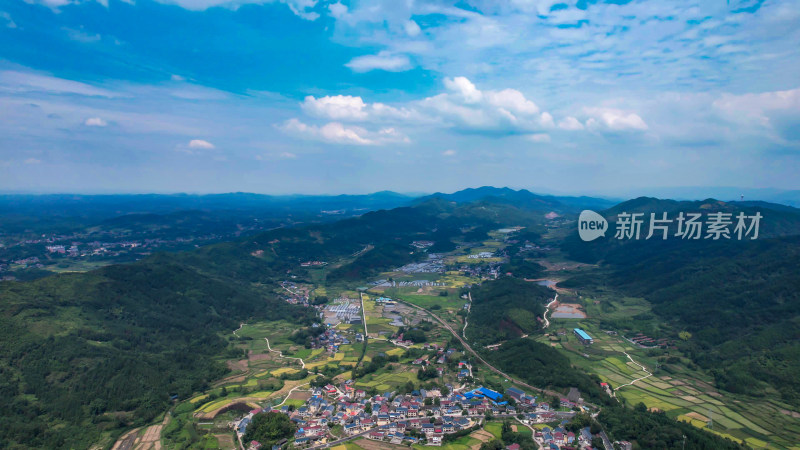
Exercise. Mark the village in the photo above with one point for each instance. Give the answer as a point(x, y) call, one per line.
point(415, 414)
point(422, 416)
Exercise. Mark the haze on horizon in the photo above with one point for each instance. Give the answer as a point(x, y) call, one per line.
point(313, 96)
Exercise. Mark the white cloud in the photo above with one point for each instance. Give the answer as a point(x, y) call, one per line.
point(463, 87)
point(16, 82)
point(274, 156)
point(511, 100)
point(337, 107)
point(337, 133)
point(52, 3)
point(614, 119)
point(352, 108)
point(333, 132)
point(95, 122)
point(337, 10)
point(449, 153)
point(301, 8)
point(570, 124)
point(759, 108)
point(412, 28)
point(6, 17)
point(200, 144)
point(32, 161)
point(538, 137)
point(382, 61)
point(81, 35)
point(462, 106)
point(468, 107)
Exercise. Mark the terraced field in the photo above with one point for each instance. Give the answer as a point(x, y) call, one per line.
point(679, 392)
point(385, 380)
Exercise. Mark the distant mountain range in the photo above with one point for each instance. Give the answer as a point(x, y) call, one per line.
point(522, 199)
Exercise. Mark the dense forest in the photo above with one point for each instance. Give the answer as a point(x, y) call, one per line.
point(90, 354)
point(269, 428)
point(737, 302)
point(84, 353)
point(740, 304)
point(372, 262)
point(539, 365)
point(656, 431)
point(505, 308)
point(545, 367)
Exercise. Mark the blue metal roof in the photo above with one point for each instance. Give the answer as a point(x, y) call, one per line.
point(582, 334)
point(490, 393)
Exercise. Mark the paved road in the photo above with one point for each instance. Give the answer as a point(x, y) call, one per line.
point(644, 369)
point(547, 310)
point(469, 308)
point(290, 393)
point(479, 358)
point(606, 441)
point(342, 440)
point(363, 315)
point(280, 353)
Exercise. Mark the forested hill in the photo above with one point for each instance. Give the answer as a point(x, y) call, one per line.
point(522, 199)
point(506, 308)
point(776, 221)
point(740, 303)
point(738, 300)
point(85, 354)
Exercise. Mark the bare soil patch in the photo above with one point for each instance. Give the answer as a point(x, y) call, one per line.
point(259, 356)
point(225, 441)
point(482, 435)
point(367, 444)
point(240, 365)
point(300, 395)
point(697, 416)
point(569, 311)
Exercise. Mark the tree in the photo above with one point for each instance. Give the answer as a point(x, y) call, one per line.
point(268, 428)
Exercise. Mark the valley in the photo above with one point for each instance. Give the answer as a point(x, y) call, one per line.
point(463, 302)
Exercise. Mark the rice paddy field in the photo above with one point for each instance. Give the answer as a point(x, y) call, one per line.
point(452, 301)
point(681, 393)
point(385, 380)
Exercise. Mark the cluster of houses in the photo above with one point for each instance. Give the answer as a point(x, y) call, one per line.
point(559, 438)
point(491, 270)
point(481, 255)
point(331, 339)
point(645, 341)
point(422, 416)
point(440, 357)
point(313, 264)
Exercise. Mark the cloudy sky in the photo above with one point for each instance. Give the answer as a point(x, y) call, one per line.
point(314, 96)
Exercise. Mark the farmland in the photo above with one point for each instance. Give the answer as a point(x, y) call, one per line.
point(677, 390)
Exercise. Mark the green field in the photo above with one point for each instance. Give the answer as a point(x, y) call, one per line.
point(681, 393)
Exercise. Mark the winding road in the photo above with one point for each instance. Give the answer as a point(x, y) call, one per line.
point(290, 393)
point(547, 310)
point(280, 353)
point(363, 315)
point(644, 369)
point(479, 358)
point(469, 308)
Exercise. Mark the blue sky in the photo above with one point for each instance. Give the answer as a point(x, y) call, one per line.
point(313, 96)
